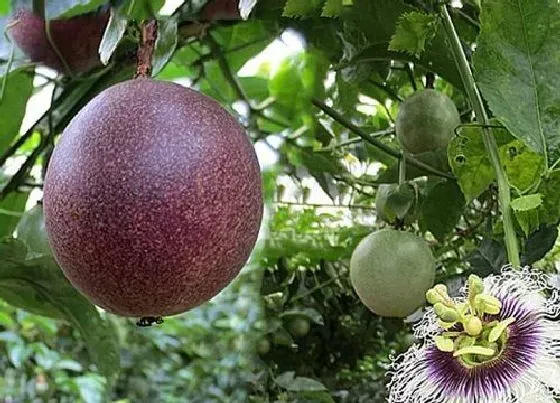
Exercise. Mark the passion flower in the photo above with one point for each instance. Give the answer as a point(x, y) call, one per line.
point(498, 342)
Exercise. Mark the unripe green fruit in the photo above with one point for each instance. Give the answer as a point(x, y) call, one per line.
point(263, 346)
point(426, 121)
point(31, 230)
point(299, 326)
point(391, 271)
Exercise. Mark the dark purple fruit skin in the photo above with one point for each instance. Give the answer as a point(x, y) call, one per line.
point(221, 10)
point(152, 199)
point(76, 38)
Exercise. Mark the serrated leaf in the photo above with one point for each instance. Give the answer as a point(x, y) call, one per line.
point(112, 35)
point(166, 42)
point(527, 202)
point(442, 209)
point(299, 8)
point(516, 63)
point(414, 29)
point(38, 285)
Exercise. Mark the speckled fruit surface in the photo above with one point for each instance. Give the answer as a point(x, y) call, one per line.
point(152, 199)
point(77, 39)
point(220, 10)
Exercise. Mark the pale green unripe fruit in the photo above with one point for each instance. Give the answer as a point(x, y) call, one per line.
point(391, 271)
point(426, 121)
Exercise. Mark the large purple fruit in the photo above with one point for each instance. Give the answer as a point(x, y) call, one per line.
point(77, 40)
point(152, 199)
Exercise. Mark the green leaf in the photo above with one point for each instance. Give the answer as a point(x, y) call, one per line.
point(288, 381)
point(13, 203)
point(38, 285)
point(523, 166)
point(140, 10)
point(298, 79)
point(525, 211)
point(539, 243)
point(298, 8)
point(372, 24)
point(414, 29)
point(166, 42)
point(516, 64)
point(471, 165)
point(19, 87)
point(5, 7)
point(333, 8)
point(526, 203)
point(70, 8)
point(549, 211)
point(442, 209)
point(112, 35)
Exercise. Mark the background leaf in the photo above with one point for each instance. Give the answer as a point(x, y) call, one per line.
point(19, 87)
point(39, 286)
point(414, 29)
point(516, 64)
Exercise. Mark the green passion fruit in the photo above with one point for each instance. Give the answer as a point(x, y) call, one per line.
point(426, 121)
point(31, 230)
point(391, 271)
point(299, 326)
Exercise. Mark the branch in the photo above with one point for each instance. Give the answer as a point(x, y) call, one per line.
point(387, 89)
point(373, 141)
point(146, 49)
point(226, 71)
point(341, 206)
point(19, 176)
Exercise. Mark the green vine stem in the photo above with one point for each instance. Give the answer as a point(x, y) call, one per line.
point(481, 117)
point(402, 169)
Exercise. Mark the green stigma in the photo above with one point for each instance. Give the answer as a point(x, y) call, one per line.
point(469, 334)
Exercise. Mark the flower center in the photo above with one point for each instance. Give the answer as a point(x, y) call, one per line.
point(469, 332)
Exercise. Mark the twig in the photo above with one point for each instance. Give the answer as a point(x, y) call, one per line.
point(146, 49)
point(387, 89)
point(15, 180)
point(226, 70)
point(373, 141)
point(341, 206)
point(411, 78)
point(430, 79)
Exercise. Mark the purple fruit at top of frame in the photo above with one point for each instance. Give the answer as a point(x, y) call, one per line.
point(152, 199)
point(76, 40)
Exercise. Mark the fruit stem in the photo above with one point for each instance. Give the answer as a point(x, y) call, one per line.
point(481, 117)
point(146, 49)
point(402, 169)
point(39, 8)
